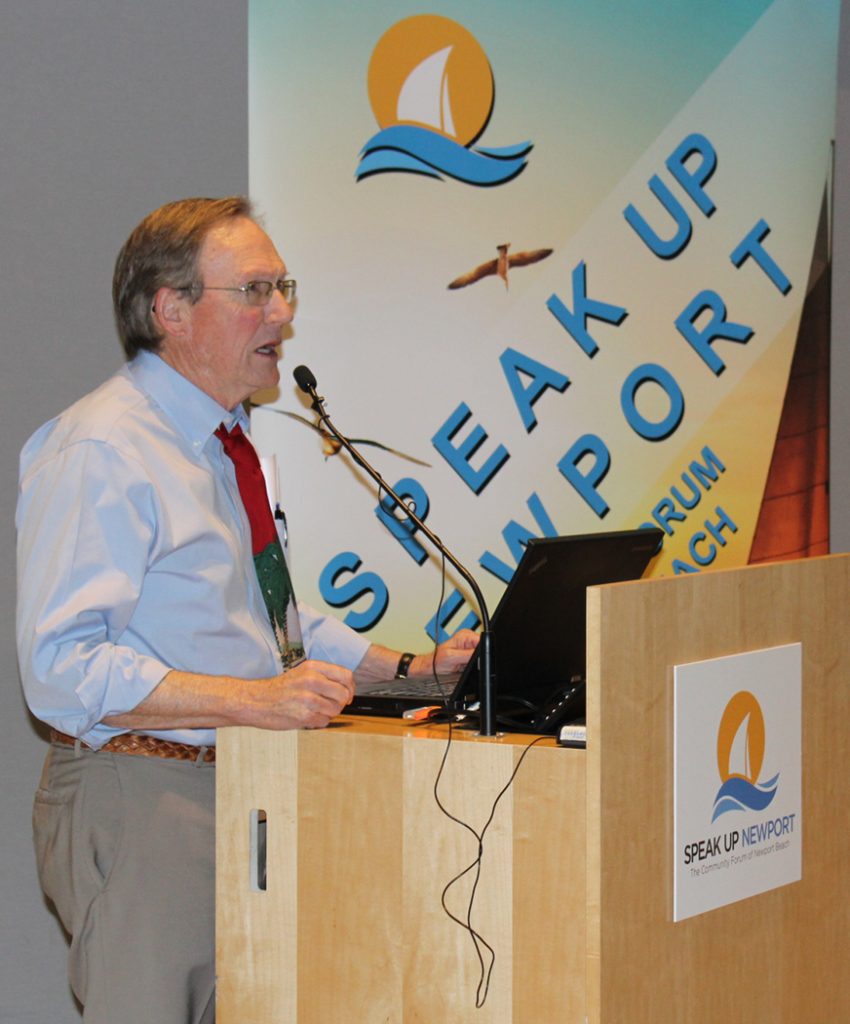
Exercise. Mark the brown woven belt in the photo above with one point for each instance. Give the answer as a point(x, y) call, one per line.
point(146, 746)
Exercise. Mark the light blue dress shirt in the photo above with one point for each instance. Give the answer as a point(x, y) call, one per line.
point(134, 557)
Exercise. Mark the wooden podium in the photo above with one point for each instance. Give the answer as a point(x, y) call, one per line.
point(575, 894)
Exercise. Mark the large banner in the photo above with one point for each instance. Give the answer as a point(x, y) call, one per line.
point(561, 269)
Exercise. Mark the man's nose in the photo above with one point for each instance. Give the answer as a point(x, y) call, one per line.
point(278, 310)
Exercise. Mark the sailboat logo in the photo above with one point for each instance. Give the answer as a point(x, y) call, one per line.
point(431, 90)
point(740, 745)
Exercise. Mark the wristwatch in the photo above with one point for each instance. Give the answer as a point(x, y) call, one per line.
point(404, 665)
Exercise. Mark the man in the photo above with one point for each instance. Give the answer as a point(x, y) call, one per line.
point(142, 625)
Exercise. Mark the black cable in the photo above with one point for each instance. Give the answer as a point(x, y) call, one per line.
point(478, 940)
point(479, 943)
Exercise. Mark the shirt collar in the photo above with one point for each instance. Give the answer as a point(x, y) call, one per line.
point(192, 411)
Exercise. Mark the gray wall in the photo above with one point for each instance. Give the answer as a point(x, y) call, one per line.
point(108, 108)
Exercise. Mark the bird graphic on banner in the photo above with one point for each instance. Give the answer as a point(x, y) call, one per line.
point(501, 265)
point(330, 445)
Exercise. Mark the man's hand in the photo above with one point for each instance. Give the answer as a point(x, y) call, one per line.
point(306, 697)
point(452, 655)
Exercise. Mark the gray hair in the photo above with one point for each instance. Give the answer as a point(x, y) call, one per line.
point(162, 252)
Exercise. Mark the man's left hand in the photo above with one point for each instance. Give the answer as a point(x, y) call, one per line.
point(451, 655)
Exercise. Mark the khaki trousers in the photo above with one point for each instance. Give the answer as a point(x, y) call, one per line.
point(125, 847)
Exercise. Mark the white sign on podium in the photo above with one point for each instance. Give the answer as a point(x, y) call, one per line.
point(738, 820)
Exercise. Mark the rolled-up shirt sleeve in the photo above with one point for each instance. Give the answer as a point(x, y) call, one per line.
point(86, 525)
point(327, 639)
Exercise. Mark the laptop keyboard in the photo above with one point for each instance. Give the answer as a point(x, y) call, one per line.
point(411, 688)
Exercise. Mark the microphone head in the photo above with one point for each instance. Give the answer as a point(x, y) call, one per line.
point(304, 379)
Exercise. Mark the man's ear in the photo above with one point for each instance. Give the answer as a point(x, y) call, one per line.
point(170, 311)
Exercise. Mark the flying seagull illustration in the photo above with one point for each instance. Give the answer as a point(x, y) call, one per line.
point(501, 265)
point(330, 445)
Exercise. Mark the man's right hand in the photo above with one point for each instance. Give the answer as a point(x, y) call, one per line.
point(305, 697)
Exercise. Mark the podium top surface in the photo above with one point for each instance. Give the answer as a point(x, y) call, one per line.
point(404, 729)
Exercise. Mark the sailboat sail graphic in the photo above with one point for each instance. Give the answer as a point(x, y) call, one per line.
point(739, 755)
point(424, 97)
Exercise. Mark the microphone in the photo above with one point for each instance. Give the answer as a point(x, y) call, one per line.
point(306, 381)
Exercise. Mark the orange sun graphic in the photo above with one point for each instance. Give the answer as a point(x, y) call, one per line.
point(430, 71)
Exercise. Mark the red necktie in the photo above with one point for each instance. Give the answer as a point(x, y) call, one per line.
point(252, 486)
point(269, 561)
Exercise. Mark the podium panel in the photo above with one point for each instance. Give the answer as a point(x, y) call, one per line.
point(350, 926)
point(781, 956)
point(575, 893)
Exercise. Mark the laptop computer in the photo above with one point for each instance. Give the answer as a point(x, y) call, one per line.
point(538, 627)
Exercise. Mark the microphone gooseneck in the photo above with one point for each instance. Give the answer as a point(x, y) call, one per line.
point(306, 381)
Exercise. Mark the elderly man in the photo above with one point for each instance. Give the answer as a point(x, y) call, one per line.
point(142, 622)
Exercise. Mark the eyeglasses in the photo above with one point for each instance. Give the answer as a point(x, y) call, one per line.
point(259, 293)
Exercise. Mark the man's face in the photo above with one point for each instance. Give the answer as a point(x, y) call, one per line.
point(227, 347)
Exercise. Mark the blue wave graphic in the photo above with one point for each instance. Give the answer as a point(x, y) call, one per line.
point(411, 148)
point(738, 794)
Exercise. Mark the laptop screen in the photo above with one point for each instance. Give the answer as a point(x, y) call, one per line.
point(539, 627)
